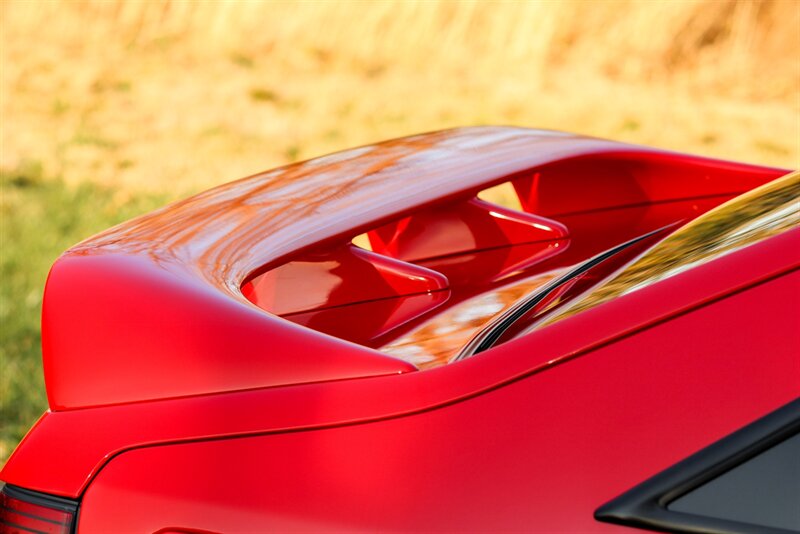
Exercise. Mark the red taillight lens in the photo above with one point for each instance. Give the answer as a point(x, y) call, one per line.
point(23, 512)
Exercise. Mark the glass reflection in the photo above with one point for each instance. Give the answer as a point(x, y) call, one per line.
point(747, 219)
point(438, 340)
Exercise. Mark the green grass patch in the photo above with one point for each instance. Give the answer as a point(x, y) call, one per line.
point(39, 219)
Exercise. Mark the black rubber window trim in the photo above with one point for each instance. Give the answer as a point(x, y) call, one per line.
point(645, 506)
point(488, 336)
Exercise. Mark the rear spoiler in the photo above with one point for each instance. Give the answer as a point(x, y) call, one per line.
point(154, 308)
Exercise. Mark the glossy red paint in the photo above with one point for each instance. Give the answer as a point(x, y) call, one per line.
point(179, 405)
point(602, 181)
point(90, 437)
point(176, 274)
point(428, 330)
point(344, 275)
point(527, 456)
point(461, 228)
point(371, 323)
point(583, 282)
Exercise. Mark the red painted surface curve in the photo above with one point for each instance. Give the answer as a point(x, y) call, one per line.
point(540, 454)
point(152, 309)
point(90, 437)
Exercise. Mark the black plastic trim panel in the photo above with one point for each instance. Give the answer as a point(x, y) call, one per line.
point(645, 506)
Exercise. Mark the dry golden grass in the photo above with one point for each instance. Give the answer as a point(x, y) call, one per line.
point(181, 95)
point(172, 97)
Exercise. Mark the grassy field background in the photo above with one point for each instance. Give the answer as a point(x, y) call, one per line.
point(111, 108)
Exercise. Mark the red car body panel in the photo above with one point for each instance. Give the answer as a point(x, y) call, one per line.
point(90, 437)
point(514, 458)
point(178, 402)
point(176, 274)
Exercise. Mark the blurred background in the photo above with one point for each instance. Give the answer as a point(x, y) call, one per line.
point(112, 108)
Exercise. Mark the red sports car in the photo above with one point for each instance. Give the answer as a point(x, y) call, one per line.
point(362, 342)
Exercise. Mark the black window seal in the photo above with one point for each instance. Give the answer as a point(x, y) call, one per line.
point(645, 506)
point(487, 337)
